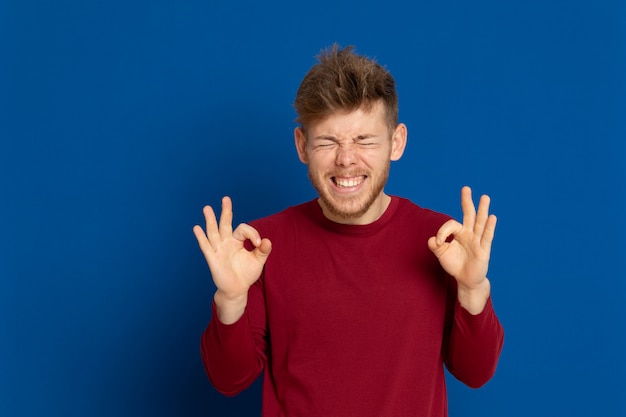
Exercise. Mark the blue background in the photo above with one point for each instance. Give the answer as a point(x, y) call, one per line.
point(120, 120)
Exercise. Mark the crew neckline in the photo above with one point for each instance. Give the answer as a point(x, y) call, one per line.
point(354, 229)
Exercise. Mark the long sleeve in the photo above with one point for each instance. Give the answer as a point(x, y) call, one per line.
point(234, 355)
point(352, 320)
point(474, 346)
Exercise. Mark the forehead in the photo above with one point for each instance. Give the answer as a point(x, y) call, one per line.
point(352, 123)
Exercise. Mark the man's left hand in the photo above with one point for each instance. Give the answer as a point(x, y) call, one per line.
point(466, 255)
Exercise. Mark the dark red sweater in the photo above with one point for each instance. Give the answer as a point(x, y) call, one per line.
point(352, 320)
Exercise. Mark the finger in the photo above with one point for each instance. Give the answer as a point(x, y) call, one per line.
point(245, 232)
point(434, 246)
point(226, 217)
point(450, 227)
point(489, 232)
point(482, 215)
point(203, 242)
point(212, 231)
point(467, 205)
point(263, 250)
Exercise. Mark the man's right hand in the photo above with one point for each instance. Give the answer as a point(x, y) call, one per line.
point(233, 268)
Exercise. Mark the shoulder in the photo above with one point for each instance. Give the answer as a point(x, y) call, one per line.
point(409, 218)
point(284, 220)
point(408, 208)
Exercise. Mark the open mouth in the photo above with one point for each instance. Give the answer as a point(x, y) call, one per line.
point(348, 182)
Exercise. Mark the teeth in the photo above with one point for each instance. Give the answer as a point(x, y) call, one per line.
point(348, 182)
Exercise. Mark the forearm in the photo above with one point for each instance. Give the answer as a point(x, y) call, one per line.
point(231, 356)
point(474, 345)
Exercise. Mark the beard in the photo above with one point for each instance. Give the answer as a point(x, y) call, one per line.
point(352, 207)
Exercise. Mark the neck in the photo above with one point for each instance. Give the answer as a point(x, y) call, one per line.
point(373, 213)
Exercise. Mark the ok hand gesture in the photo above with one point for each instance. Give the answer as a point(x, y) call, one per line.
point(233, 268)
point(466, 256)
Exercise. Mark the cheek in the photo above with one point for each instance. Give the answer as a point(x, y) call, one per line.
point(321, 160)
point(316, 168)
point(377, 161)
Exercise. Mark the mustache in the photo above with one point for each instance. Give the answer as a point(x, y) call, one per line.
point(348, 174)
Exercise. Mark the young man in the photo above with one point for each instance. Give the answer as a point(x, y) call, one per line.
point(352, 303)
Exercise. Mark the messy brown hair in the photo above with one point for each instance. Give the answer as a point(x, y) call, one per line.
point(343, 81)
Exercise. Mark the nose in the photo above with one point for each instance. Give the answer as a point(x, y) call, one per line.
point(346, 155)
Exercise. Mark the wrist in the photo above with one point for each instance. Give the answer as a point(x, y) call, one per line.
point(230, 308)
point(474, 298)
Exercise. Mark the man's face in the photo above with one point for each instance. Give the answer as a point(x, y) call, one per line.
point(348, 157)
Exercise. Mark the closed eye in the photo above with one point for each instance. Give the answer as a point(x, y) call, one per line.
point(366, 141)
point(325, 144)
point(362, 141)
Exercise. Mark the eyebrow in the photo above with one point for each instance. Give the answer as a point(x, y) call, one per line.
point(357, 138)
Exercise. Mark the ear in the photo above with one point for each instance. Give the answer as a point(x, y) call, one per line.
point(398, 141)
point(300, 139)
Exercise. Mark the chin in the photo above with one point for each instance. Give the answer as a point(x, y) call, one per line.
point(348, 210)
